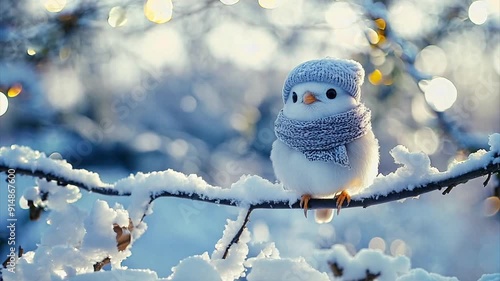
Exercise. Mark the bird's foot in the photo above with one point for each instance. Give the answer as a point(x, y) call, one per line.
point(304, 202)
point(341, 198)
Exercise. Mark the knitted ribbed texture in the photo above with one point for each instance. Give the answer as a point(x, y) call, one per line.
point(347, 74)
point(324, 139)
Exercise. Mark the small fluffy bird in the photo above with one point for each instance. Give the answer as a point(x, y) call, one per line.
point(325, 146)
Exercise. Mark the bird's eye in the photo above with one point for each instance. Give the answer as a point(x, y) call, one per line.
point(294, 97)
point(331, 94)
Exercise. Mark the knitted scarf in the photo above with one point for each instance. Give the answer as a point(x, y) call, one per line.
point(324, 139)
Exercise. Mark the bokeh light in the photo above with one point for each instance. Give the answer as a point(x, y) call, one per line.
point(377, 243)
point(229, 2)
point(15, 90)
point(341, 15)
point(188, 103)
point(419, 109)
point(158, 11)
point(117, 16)
point(375, 77)
point(270, 4)
point(54, 6)
point(431, 60)
point(426, 140)
point(4, 103)
point(478, 12)
point(440, 94)
point(372, 36)
point(409, 20)
point(399, 248)
point(233, 41)
point(491, 206)
point(31, 52)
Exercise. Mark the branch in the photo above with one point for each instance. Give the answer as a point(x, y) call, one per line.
point(236, 237)
point(492, 167)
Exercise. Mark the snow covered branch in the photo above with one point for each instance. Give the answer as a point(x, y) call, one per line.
point(414, 178)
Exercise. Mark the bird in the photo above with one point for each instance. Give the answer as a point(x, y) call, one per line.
point(325, 146)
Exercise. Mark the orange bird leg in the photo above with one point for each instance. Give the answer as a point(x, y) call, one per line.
point(341, 198)
point(304, 202)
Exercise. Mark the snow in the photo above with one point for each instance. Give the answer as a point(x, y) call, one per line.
point(284, 270)
point(76, 238)
point(354, 267)
point(23, 157)
point(416, 171)
point(195, 268)
point(490, 277)
point(118, 275)
point(232, 266)
point(419, 274)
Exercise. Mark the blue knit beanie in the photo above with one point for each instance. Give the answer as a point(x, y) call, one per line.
point(347, 74)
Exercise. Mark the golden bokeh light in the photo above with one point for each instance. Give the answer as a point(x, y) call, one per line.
point(4, 103)
point(269, 4)
point(380, 23)
point(14, 90)
point(491, 206)
point(375, 77)
point(54, 6)
point(158, 11)
point(117, 16)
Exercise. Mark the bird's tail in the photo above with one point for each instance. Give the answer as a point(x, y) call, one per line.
point(323, 215)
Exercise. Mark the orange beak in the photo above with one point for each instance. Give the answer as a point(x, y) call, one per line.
point(309, 98)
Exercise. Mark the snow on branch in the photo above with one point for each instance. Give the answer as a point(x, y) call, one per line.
point(416, 176)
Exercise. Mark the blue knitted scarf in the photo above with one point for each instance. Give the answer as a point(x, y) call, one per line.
point(324, 139)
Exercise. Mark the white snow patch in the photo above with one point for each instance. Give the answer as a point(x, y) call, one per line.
point(355, 267)
point(490, 277)
point(24, 157)
point(284, 270)
point(118, 275)
point(195, 268)
point(419, 274)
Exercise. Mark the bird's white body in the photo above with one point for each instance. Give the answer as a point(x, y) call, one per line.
point(323, 179)
point(317, 178)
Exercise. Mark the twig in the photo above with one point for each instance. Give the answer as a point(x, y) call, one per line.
point(236, 237)
point(485, 183)
point(448, 189)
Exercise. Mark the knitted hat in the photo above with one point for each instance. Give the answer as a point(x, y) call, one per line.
point(347, 74)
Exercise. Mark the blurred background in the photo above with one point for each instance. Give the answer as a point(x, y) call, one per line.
point(119, 87)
